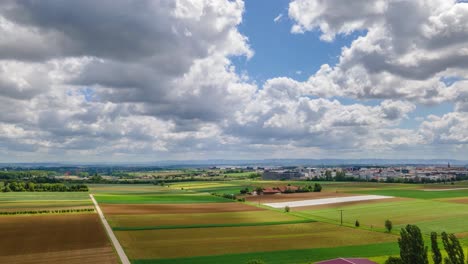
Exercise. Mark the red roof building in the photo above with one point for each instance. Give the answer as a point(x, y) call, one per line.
point(270, 191)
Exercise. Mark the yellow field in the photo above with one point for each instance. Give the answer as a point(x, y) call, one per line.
point(200, 218)
point(175, 243)
point(200, 185)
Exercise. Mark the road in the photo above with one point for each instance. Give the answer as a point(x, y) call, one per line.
point(117, 246)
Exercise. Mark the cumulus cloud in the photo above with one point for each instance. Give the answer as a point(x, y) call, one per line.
point(394, 57)
point(154, 80)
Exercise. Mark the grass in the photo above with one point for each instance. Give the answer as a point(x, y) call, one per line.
point(417, 212)
point(273, 236)
point(131, 188)
point(212, 225)
point(43, 196)
point(198, 218)
point(418, 194)
point(24, 204)
point(173, 243)
point(159, 199)
point(286, 256)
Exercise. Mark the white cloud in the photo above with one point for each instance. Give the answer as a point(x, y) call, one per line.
point(158, 82)
point(394, 58)
point(278, 18)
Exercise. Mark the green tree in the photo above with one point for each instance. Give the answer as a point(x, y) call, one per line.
point(453, 248)
point(317, 187)
point(259, 190)
point(356, 224)
point(388, 225)
point(394, 260)
point(328, 175)
point(287, 209)
point(412, 249)
point(436, 255)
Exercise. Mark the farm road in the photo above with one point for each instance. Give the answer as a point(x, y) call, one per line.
point(123, 258)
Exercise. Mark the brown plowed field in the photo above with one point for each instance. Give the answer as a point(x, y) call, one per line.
point(454, 200)
point(273, 198)
point(55, 236)
point(121, 209)
point(103, 255)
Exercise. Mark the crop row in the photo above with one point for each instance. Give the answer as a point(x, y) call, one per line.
point(48, 211)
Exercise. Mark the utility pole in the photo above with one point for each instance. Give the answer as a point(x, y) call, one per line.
point(341, 211)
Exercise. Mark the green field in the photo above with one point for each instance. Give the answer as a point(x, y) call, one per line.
point(300, 256)
point(199, 219)
point(419, 194)
point(301, 236)
point(162, 199)
point(414, 211)
point(173, 243)
point(43, 196)
point(130, 188)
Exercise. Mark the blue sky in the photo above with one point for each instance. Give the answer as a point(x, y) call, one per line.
point(155, 81)
point(278, 52)
point(281, 53)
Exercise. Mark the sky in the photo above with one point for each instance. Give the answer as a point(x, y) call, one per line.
point(150, 80)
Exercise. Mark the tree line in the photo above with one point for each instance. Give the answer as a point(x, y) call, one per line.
point(413, 250)
point(22, 186)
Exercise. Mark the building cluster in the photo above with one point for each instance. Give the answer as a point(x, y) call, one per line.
point(387, 173)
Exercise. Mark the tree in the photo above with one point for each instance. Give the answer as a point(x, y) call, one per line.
point(388, 225)
point(412, 249)
point(259, 190)
point(453, 248)
point(244, 191)
point(394, 260)
point(328, 175)
point(436, 255)
point(287, 209)
point(317, 187)
point(356, 224)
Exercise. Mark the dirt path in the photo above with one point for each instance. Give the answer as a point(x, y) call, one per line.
point(117, 246)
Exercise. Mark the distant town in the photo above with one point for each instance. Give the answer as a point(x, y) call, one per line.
point(155, 174)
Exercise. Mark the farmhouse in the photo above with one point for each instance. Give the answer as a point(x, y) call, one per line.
point(278, 190)
point(270, 191)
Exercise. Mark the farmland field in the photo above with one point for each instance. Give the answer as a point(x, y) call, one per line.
point(126, 209)
point(155, 225)
point(176, 243)
point(184, 223)
point(401, 213)
point(161, 199)
point(52, 238)
point(198, 218)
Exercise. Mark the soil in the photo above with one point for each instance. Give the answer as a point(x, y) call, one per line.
point(122, 209)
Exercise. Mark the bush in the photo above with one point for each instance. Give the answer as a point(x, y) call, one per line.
point(255, 261)
point(388, 225)
point(393, 260)
point(287, 209)
point(317, 187)
point(356, 224)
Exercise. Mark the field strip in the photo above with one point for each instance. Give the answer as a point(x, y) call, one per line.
point(123, 258)
point(327, 201)
point(443, 190)
point(139, 228)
